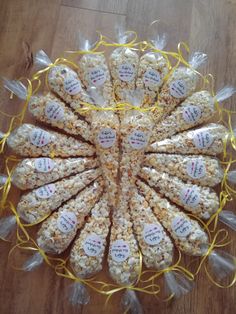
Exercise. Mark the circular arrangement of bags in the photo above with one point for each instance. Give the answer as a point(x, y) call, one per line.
point(123, 153)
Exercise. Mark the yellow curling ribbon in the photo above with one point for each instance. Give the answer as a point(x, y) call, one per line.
point(90, 51)
point(175, 268)
point(132, 44)
point(24, 245)
point(5, 136)
point(7, 186)
point(107, 288)
point(222, 242)
point(118, 107)
point(58, 61)
point(17, 120)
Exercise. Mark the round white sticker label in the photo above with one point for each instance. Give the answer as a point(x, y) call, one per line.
point(72, 86)
point(178, 89)
point(39, 137)
point(181, 226)
point(202, 139)
point(126, 72)
point(93, 245)
point(106, 137)
point(152, 234)
point(97, 76)
point(152, 78)
point(196, 168)
point(120, 251)
point(44, 164)
point(54, 111)
point(45, 191)
point(66, 222)
point(190, 196)
point(138, 139)
point(191, 113)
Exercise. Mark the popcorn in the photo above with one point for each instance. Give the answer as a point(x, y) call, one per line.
point(202, 170)
point(94, 71)
point(195, 110)
point(35, 205)
point(155, 244)
point(207, 140)
point(31, 173)
point(31, 141)
point(124, 67)
point(201, 201)
point(123, 258)
point(51, 110)
point(135, 131)
point(64, 82)
point(153, 68)
point(188, 236)
point(105, 127)
point(180, 84)
point(59, 229)
point(87, 254)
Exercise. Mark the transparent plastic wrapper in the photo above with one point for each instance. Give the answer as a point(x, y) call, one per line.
point(206, 140)
point(231, 176)
point(187, 234)
point(78, 294)
point(201, 170)
point(155, 244)
point(130, 302)
point(105, 128)
point(87, 254)
point(7, 225)
point(180, 84)
point(201, 201)
point(153, 67)
point(123, 258)
point(31, 141)
point(59, 229)
point(64, 82)
point(123, 66)
point(37, 204)
point(33, 262)
point(31, 173)
point(228, 218)
point(135, 131)
point(195, 110)
point(176, 284)
point(94, 71)
point(222, 264)
point(51, 110)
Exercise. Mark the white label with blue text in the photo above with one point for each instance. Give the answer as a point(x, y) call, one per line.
point(138, 139)
point(191, 113)
point(120, 251)
point(72, 86)
point(178, 89)
point(39, 137)
point(44, 164)
point(54, 111)
point(106, 137)
point(97, 76)
point(152, 234)
point(190, 196)
point(181, 226)
point(126, 72)
point(152, 78)
point(45, 191)
point(93, 245)
point(66, 222)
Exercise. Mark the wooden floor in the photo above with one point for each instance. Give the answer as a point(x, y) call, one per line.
point(53, 25)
